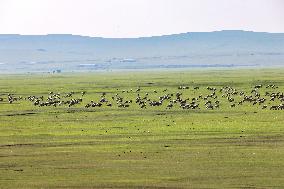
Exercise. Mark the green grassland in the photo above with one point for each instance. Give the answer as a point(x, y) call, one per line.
point(156, 147)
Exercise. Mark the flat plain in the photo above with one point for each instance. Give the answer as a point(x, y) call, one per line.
point(240, 146)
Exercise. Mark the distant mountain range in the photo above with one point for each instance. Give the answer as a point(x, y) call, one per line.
point(47, 53)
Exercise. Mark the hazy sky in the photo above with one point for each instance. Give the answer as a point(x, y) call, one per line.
point(133, 18)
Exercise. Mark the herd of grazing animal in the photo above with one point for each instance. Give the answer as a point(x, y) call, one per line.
point(270, 99)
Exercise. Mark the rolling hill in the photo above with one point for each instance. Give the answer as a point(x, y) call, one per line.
point(46, 53)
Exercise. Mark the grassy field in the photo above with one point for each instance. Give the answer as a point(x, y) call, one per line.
point(111, 147)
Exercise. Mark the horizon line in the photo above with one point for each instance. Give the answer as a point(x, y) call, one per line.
point(140, 37)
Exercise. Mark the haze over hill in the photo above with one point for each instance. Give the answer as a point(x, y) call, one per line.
point(200, 49)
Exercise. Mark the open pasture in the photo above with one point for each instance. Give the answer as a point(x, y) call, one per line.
point(178, 129)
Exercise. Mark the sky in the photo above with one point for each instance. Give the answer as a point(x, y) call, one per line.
point(138, 18)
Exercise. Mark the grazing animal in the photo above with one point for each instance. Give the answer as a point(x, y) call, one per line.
point(211, 101)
